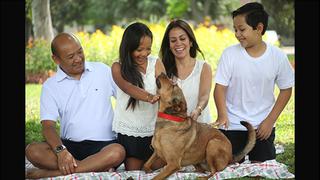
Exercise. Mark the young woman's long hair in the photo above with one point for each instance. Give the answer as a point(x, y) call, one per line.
point(129, 68)
point(165, 53)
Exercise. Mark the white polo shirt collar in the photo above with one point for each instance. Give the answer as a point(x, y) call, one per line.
point(61, 75)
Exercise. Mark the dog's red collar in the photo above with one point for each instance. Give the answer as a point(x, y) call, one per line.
point(170, 117)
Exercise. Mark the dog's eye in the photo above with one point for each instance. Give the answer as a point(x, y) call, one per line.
point(158, 83)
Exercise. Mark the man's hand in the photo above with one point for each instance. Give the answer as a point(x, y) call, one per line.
point(222, 121)
point(264, 130)
point(66, 162)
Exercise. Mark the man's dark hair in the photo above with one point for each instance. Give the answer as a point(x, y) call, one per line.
point(254, 14)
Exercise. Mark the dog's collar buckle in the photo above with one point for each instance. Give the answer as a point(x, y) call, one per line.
point(170, 117)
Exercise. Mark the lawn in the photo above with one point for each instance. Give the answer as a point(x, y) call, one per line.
point(284, 127)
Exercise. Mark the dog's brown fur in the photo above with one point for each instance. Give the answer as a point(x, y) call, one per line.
point(189, 142)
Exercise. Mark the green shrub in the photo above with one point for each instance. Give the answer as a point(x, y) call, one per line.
point(104, 47)
point(38, 57)
point(34, 131)
point(291, 57)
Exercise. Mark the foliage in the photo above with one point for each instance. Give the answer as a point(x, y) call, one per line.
point(32, 106)
point(28, 10)
point(291, 57)
point(281, 16)
point(38, 57)
point(67, 12)
point(103, 14)
point(102, 47)
point(177, 8)
point(212, 42)
point(33, 132)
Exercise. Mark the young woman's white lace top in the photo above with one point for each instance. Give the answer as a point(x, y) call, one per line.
point(139, 122)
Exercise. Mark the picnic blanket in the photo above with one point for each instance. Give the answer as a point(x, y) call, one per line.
point(269, 169)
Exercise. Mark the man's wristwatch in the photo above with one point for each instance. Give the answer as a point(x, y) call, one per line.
point(59, 148)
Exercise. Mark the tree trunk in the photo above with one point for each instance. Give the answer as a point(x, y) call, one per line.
point(41, 20)
point(196, 15)
point(206, 7)
point(28, 31)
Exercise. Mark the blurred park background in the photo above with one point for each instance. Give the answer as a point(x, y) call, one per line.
point(99, 24)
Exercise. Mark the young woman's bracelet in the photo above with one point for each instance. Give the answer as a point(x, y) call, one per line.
point(148, 97)
point(200, 108)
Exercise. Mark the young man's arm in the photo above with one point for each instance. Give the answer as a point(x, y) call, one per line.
point(66, 162)
point(265, 128)
point(219, 95)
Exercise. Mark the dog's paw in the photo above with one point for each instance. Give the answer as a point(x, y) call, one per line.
point(147, 169)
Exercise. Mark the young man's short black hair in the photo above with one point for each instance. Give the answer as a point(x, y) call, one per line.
point(254, 14)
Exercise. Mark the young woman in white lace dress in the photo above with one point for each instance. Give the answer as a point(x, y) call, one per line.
point(136, 107)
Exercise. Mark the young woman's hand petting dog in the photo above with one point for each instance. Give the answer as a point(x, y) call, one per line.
point(153, 98)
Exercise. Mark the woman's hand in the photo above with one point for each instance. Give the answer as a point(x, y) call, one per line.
point(196, 113)
point(153, 98)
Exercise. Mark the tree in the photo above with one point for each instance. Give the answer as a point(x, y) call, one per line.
point(281, 18)
point(200, 9)
point(28, 21)
point(197, 10)
point(177, 8)
point(68, 12)
point(108, 12)
point(41, 20)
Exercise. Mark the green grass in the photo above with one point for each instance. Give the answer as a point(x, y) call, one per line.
point(291, 57)
point(33, 126)
point(284, 127)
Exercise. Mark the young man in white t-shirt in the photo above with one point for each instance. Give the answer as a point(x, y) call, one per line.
point(245, 80)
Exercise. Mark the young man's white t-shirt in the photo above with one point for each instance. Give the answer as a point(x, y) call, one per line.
point(250, 83)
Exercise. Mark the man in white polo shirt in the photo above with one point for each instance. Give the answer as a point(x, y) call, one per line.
point(79, 95)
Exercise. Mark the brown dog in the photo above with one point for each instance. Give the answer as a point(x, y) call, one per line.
point(180, 141)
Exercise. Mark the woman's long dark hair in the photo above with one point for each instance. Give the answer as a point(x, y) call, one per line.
point(165, 53)
point(129, 68)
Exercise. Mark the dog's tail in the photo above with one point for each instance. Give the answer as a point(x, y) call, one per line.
point(250, 142)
